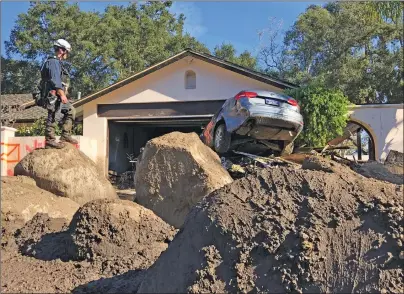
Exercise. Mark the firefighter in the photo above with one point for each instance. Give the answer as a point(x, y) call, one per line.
point(54, 78)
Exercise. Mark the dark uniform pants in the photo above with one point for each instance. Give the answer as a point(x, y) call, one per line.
point(69, 116)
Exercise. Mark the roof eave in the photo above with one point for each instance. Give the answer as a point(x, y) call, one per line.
point(208, 58)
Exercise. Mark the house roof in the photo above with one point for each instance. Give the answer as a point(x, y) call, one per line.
point(15, 99)
point(202, 56)
point(31, 114)
point(28, 114)
point(28, 110)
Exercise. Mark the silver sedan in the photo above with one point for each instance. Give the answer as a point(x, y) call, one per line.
point(269, 118)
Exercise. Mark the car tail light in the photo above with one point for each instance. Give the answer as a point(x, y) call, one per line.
point(246, 94)
point(293, 102)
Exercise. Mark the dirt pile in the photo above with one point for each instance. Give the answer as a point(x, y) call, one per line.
point(21, 273)
point(21, 199)
point(382, 172)
point(119, 231)
point(66, 172)
point(44, 238)
point(106, 238)
point(319, 229)
point(175, 172)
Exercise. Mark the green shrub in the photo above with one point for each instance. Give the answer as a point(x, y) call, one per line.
point(38, 129)
point(324, 112)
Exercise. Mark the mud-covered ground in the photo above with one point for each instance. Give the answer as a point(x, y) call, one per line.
point(320, 228)
point(323, 228)
point(105, 238)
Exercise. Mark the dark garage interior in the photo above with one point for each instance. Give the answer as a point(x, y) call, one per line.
point(128, 137)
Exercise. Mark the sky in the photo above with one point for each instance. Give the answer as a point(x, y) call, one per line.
point(212, 23)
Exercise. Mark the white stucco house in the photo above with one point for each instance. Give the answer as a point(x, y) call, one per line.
point(181, 93)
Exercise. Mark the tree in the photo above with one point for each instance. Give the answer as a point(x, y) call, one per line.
point(228, 52)
point(18, 77)
point(324, 112)
point(273, 57)
point(346, 47)
point(386, 11)
point(107, 46)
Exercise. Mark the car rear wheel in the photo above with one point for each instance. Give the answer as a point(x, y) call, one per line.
point(287, 148)
point(222, 139)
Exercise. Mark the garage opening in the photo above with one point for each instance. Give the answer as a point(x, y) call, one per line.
point(127, 137)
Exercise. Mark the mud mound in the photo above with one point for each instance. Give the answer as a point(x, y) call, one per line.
point(321, 164)
point(119, 231)
point(66, 172)
point(376, 170)
point(288, 230)
point(176, 171)
point(8, 246)
point(21, 200)
point(44, 238)
point(18, 180)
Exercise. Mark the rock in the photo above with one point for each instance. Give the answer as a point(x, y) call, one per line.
point(120, 231)
point(304, 236)
point(66, 172)
point(175, 172)
point(395, 158)
point(21, 200)
point(401, 255)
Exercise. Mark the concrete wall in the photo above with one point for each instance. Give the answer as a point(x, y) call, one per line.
point(166, 84)
point(384, 123)
point(13, 149)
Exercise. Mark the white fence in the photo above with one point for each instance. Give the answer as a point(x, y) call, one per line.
point(13, 149)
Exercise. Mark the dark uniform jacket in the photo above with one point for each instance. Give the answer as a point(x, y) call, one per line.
point(51, 72)
point(54, 76)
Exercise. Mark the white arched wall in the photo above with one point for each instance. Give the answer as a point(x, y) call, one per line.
point(384, 122)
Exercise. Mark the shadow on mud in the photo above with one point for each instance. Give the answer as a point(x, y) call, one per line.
point(126, 283)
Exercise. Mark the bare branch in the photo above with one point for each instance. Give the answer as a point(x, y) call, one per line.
point(271, 46)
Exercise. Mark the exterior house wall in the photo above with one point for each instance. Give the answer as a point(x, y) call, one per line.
point(165, 85)
point(385, 125)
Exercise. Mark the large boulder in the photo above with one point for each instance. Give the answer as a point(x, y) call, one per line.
point(66, 172)
point(395, 158)
point(175, 172)
point(118, 231)
point(321, 229)
point(21, 200)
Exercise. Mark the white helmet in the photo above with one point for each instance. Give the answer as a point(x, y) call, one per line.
point(63, 44)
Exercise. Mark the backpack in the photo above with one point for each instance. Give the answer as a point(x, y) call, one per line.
point(39, 94)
